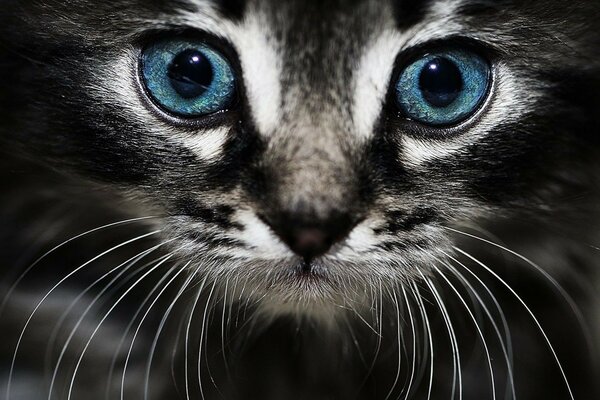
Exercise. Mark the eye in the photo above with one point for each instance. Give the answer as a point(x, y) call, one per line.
point(443, 88)
point(186, 78)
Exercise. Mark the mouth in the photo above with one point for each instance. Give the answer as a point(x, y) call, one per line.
point(306, 267)
point(306, 272)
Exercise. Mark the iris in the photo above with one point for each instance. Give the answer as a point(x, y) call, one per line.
point(443, 88)
point(189, 79)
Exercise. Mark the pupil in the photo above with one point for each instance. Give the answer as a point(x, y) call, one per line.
point(440, 82)
point(190, 73)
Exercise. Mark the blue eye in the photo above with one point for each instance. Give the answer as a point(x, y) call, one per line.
point(186, 78)
point(443, 88)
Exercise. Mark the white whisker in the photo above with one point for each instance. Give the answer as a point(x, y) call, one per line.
point(423, 312)
point(161, 327)
point(52, 250)
point(477, 327)
point(414, 344)
point(456, 369)
point(202, 330)
point(399, 338)
point(531, 314)
point(165, 287)
point(585, 328)
point(223, 336)
point(39, 304)
point(130, 324)
point(506, 347)
point(187, 339)
point(116, 303)
point(128, 265)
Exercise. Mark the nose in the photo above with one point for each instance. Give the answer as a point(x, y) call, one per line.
point(309, 236)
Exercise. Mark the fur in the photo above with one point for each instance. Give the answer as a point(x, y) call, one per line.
point(474, 243)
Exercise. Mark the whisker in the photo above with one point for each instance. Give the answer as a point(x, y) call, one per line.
point(585, 328)
point(356, 345)
point(414, 343)
point(39, 304)
point(456, 369)
point(52, 250)
point(531, 314)
point(230, 308)
point(128, 265)
point(161, 327)
point(117, 302)
point(60, 217)
point(174, 352)
point(187, 338)
point(398, 336)
point(132, 321)
point(364, 321)
point(425, 316)
point(202, 336)
point(377, 306)
point(477, 327)
point(108, 289)
point(223, 339)
point(506, 347)
point(240, 296)
point(144, 318)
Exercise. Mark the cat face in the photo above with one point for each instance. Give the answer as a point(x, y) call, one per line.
point(311, 150)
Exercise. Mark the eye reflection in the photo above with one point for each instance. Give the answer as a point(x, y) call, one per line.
point(191, 73)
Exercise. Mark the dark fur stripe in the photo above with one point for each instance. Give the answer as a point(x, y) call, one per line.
point(232, 9)
point(410, 12)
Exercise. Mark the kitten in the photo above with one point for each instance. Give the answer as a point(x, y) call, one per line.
point(299, 199)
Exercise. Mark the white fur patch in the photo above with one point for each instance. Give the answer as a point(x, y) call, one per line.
point(377, 63)
point(258, 235)
point(208, 145)
point(373, 80)
point(360, 240)
point(262, 72)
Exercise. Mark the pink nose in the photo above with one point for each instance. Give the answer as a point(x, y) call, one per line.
point(310, 242)
point(308, 236)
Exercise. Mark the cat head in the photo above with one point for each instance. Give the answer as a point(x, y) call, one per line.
point(311, 150)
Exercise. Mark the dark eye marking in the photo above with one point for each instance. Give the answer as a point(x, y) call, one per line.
point(404, 245)
point(213, 240)
point(219, 215)
point(410, 12)
point(232, 9)
point(399, 221)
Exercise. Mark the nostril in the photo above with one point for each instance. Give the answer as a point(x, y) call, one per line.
point(309, 242)
point(308, 236)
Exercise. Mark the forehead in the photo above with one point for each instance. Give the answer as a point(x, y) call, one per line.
point(319, 15)
point(301, 20)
